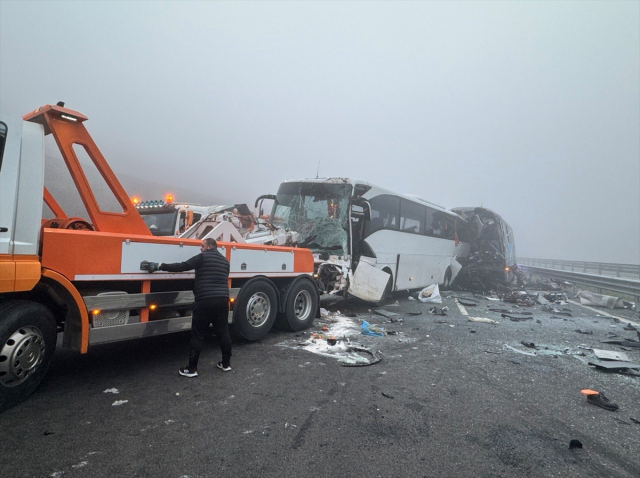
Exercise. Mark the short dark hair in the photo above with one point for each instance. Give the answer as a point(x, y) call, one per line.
point(210, 242)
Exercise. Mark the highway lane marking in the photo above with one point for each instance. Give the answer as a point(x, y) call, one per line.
point(463, 310)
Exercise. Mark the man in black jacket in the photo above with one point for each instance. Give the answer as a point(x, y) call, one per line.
point(211, 291)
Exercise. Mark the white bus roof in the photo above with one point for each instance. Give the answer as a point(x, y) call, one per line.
point(374, 191)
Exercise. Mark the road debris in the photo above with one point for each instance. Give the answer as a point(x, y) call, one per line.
point(387, 395)
point(367, 329)
point(520, 351)
point(119, 402)
point(430, 294)
point(482, 320)
point(599, 300)
point(112, 390)
point(575, 444)
point(598, 399)
point(610, 355)
point(513, 318)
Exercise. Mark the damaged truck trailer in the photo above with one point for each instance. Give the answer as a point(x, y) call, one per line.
point(73, 266)
point(368, 241)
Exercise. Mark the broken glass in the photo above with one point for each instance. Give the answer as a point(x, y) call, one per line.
point(318, 212)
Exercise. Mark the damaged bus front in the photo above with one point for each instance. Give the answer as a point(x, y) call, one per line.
point(492, 253)
point(368, 241)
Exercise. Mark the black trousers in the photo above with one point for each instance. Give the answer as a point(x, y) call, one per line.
point(205, 312)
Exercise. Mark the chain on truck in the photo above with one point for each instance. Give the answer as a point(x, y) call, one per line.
point(79, 275)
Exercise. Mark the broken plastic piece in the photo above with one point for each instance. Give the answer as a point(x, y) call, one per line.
point(575, 444)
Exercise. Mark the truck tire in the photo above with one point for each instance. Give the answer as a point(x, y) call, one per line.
point(27, 345)
point(301, 305)
point(255, 310)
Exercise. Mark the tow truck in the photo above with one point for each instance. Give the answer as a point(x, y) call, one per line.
point(79, 275)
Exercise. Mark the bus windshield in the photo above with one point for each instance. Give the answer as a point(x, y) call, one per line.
point(318, 212)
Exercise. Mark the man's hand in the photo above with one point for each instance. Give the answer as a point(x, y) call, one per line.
point(149, 266)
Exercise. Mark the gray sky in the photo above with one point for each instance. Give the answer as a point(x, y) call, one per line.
point(529, 108)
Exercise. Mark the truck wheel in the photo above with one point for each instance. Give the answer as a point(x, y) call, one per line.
point(27, 344)
point(300, 307)
point(255, 310)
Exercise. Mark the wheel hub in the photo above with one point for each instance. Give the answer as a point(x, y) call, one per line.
point(301, 305)
point(258, 309)
point(21, 355)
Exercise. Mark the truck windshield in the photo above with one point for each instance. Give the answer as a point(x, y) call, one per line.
point(160, 222)
point(318, 212)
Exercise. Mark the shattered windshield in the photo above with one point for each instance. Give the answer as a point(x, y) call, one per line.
point(160, 223)
point(318, 212)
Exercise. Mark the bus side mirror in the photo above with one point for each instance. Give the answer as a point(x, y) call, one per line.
point(360, 207)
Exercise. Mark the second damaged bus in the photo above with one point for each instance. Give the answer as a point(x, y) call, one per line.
point(492, 255)
point(368, 241)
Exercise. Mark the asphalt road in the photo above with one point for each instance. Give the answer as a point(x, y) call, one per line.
point(448, 399)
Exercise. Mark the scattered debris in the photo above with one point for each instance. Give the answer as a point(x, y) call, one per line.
point(363, 362)
point(467, 302)
point(598, 399)
point(119, 402)
point(612, 366)
point(520, 351)
point(586, 332)
point(634, 420)
point(482, 320)
point(530, 345)
point(112, 390)
point(387, 395)
point(367, 329)
point(430, 294)
point(610, 355)
point(435, 311)
point(591, 298)
point(513, 318)
point(386, 313)
point(575, 444)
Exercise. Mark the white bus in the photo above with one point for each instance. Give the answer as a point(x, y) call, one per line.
point(368, 241)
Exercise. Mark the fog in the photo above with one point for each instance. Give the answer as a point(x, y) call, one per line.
point(531, 109)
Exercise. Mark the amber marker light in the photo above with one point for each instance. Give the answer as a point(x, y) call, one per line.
point(135, 200)
point(168, 198)
point(95, 311)
point(153, 307)
point(506, 269)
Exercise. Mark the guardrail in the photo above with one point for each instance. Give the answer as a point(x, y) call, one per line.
point(631, 271)
point(628, 287)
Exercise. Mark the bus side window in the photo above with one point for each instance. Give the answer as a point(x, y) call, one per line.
point(412, 216)
point(428, 225)
point(385, 213)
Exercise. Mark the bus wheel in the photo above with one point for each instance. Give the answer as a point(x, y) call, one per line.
point(27, 344)
point(300, 307)
point(255, 310)
point(446, 284)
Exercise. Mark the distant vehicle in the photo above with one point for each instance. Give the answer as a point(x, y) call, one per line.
point(492, 253)
point(368, 241)
point(166, 218)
